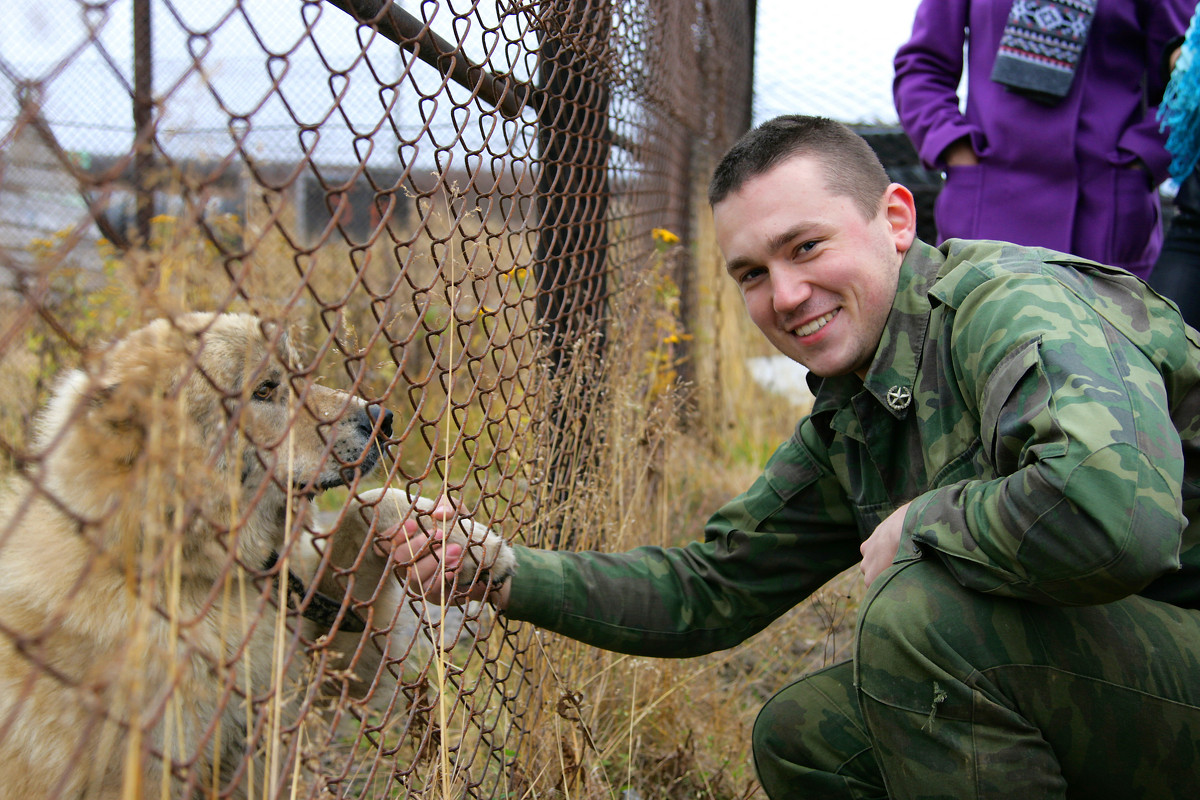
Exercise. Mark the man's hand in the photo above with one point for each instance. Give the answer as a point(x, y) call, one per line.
point(879, 550)
point(428, 566)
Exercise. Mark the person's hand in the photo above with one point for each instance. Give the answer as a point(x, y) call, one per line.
point(879, 549)
point(428, 566)
point(959, 154)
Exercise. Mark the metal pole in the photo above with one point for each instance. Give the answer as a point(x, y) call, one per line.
point(143, 120)
point(572, 199)
point(399, 26)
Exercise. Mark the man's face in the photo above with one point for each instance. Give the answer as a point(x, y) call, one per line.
point(818, 278)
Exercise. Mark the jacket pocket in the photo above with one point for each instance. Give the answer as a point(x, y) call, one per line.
point(1136, 217)
point(956, 210)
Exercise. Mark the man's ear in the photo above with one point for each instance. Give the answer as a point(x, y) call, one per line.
point(901, 213)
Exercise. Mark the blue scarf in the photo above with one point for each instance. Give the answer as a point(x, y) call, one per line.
point(1179, 110)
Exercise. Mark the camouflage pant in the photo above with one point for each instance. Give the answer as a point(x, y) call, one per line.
point(958, 695)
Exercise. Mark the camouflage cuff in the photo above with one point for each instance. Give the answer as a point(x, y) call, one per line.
point(909, 548)
point(930, 518)
point(535, 592)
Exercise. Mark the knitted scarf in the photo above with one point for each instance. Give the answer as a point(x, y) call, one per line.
point(1179, 110)
point(1041, 46)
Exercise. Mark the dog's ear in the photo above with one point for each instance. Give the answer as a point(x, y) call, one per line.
point(117, 418)
point(120, 407)
point(132, 389)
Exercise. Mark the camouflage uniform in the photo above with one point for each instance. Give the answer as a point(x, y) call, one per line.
point(1043, 415)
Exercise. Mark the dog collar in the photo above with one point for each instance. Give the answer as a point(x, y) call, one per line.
point(320, 608)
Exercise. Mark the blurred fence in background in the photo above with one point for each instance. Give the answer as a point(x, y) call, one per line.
point(487, 217)
point(835, 60)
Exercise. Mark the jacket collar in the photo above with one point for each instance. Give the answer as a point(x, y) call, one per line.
point(891, 378)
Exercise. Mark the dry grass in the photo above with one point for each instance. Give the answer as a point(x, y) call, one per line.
point(625, 727)
point(458, 365)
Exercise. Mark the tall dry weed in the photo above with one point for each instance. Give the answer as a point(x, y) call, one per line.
point(627, 727)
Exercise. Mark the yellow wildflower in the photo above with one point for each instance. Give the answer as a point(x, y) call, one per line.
point(664, 236)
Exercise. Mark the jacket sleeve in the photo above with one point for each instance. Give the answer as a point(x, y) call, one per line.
point(763, 552)
point(928, 69)
point(1083, 504)
point(1162, 21)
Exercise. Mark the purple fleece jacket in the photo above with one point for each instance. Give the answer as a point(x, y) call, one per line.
point(1080, 176)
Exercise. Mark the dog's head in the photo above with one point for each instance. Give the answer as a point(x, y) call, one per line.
point(204, 413)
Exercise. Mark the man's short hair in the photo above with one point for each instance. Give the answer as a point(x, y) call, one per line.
point(851, 167)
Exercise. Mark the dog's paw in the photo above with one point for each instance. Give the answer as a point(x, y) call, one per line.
point(486, 556)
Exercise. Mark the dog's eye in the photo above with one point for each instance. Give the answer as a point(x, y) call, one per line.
point(266, 390)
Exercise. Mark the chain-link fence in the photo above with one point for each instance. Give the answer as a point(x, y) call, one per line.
point(843, 72)
point(462, 240)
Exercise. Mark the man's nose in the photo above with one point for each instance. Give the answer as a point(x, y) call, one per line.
point(789, 289)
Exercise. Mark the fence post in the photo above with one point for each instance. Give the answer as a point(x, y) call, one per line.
point(572, 201)
point(722, 65)
point(143, 120)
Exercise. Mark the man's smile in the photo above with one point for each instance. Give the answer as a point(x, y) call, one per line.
point(809, 328)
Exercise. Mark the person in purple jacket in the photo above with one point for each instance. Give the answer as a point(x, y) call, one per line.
point(1059, 146)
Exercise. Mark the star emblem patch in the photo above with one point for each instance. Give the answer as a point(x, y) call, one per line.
point(898, 397)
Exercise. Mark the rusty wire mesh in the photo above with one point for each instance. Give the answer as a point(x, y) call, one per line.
point(462, 212)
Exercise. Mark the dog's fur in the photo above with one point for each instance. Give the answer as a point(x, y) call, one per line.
point(141, 553)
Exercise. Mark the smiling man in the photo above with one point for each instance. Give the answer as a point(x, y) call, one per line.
point(818, 271)
point(1003, 438)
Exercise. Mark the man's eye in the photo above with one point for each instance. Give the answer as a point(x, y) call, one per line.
point(266, 390)
point(749, 275)
point(805, 247)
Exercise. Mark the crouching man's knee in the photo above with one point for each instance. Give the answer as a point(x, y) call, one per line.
point(923, 646)
point(920, 634)
point(809, 741)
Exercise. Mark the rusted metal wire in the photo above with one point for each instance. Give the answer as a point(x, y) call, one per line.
point(484, 217)
point(399, 26)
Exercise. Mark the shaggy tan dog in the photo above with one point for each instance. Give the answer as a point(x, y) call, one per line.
point(145, 552)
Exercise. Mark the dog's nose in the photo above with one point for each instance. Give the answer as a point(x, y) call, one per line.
point(385, 426)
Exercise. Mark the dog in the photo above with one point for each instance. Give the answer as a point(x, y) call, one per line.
point(170, 615)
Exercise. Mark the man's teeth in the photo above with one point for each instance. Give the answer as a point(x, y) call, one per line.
point(815, 325)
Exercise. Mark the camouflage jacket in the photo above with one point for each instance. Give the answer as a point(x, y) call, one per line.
point(1041, 412)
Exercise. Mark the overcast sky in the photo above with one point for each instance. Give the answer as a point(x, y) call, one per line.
point(830, 58)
